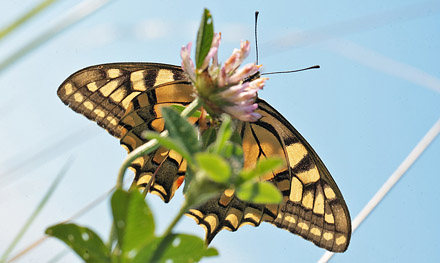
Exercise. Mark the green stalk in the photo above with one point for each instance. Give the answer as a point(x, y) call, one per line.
point(151, 145)
point(24, 18)
point(40, 206)
point(166, 237)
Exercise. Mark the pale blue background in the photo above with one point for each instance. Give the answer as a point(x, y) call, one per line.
point(374, 98)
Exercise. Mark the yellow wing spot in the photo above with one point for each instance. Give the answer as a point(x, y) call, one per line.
point(158, 125)
point(196, 212)
point(253, 214)
point(144, 178)
point(295, 190)
point(137, 80)
point(318, 207)
point(163, 76)
point(229, 192)
point(175, 156)
point(295, 153)
point(92, 87)
point(112, 120)
point(303, 226)
point(328, 236)
point(315, 231)
point(159, 188)
point(329, 193)
point(340, 240)
point(290, 219)
point(89, 105)
point(118, 95)
point(310, 176)
point(212, 220)
point(78, 97)
point(329, 218)
point(100, 113)
point(114, 73)
point(225, 199)
point(108, 88)
point(68, 88)
point(307, 201)
point(128, 99)
point(233, 217)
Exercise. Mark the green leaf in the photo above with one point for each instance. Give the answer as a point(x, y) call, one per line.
point(224, 133)
point(195, 114)
point(234, 154)
point(181, 130)
point(208, 137)
point(204, 37)
point(179, 248)
point(86, 243)
point(133, 220)
point(215, 166)
point(189, 175)
point(259, 193)
point(263, 167)
point(170, 143)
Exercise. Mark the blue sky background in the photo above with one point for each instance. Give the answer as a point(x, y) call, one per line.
point(376, 95)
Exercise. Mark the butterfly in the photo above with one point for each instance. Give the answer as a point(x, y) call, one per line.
point(125, 99)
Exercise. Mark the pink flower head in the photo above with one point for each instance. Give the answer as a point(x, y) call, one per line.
point(222, 88)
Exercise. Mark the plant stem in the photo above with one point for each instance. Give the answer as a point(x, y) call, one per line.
point(151, 145)
point(167, 235)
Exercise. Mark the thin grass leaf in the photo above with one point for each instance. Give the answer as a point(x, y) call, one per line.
point(67, 19)
point(25, 17)
point(37, 210)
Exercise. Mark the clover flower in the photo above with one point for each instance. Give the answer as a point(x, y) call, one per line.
point(222, 87)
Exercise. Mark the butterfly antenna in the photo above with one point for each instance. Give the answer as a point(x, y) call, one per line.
point(291, 71)
point(256, 38)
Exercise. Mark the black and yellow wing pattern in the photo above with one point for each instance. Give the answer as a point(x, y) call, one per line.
point(125, 99)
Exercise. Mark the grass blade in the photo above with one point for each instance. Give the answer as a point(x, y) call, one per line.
point(36, 211)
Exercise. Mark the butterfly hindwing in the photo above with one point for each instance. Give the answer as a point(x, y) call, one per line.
point(125, 99)
point(144, 113)
point(312, 207)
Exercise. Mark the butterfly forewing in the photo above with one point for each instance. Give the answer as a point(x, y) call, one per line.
point(125, 99)
point(102, 93)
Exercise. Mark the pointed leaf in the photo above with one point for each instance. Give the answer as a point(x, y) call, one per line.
point(86, 243)
point(224, 133)
point(215, 166)
point(179, 248)
point(259, 193)
point(169, 143)
point(263, 167)
point(195, 114)
point(208, 137)
point(204, 37)
point(133, 219)
point(181, 130)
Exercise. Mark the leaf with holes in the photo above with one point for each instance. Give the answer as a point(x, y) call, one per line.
point(259, 193)
point(178, 248)
point(134, 221)
point(86, 243)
